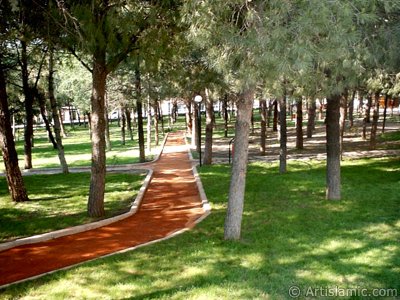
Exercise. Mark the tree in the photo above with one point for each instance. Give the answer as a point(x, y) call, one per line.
point(107, 33)
point(209, 128)
point(15, 181)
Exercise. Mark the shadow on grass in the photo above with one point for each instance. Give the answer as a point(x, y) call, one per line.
point(290, 236)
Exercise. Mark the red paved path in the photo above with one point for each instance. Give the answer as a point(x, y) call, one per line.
point(171, 203)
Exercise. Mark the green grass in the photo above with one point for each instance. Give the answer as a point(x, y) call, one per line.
point(61, 202)
point(390, 136)
point(77, 147)
point(290, 236)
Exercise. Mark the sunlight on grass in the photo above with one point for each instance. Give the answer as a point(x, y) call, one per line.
point(290, 236)
point(61, 202)
point(77, 148)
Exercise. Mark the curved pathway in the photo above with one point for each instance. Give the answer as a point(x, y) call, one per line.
point(171, 203)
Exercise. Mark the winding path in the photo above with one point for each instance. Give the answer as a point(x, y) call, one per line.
point(171, 204)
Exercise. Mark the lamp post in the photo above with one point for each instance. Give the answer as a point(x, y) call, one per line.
point(198, 100)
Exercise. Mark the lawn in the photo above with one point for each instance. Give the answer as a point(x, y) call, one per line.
point(78, 147)
point(61, 202)
point(291, 236)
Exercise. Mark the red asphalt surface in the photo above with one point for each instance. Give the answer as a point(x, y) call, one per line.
point(171, 203)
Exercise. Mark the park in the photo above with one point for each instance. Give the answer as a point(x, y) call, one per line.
point(199, 149)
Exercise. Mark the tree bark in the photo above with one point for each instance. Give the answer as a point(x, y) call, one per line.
point(107, 124)
point(148, 127)
point(351, 109)
point(209, 129)
point(312, 108)
point(333, 148)
point(189, 117)
point(123, 125)
point(156, 119)
point(283, 135)
point(43, 111)
point(28, 134)
point(263, 135)
point(98, 169)
point(239, 168)
point(342, 120)
point(128, 122)
point(369, 105)
point(139, 109)
point(299, 124)
point(54, 112)
point(195, 143)
point(275, 120)
point(374, 125)
point(225, 115)
point(62, 128)
point(14, 178)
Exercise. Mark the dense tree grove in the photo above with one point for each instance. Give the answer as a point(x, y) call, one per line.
point(100, 56)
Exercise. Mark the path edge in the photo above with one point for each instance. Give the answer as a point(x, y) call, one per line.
point(93, 225)
point(203, 197)
point(205, 204)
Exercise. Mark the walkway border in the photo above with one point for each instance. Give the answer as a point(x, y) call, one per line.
point(93, 225)
point(205, 204)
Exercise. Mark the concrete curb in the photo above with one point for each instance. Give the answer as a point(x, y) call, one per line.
point(206, 207)
point(85, 227)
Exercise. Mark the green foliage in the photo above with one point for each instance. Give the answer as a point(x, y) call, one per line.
point(291, 236)
point(48, 210)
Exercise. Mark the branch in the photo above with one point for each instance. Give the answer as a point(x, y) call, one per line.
point(119, 57)
point(40, 67)
point(72, 51)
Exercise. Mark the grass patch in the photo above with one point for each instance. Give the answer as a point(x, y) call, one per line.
point(61, 202)
point(390, 136)
point(291, 236)
point(77, 147)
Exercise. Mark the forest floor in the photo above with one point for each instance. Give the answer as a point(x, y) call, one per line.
point(354, 146)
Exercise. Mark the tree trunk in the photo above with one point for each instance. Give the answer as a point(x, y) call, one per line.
point(239, 168)
point(156, 119)
point(139, 109)
point(148, 127)
point(62, 128)
point(89, 116)
point(342, 120)
point(28, 134)
point(312, 108)
point(189, 117)
point(351, 109)
point(43, 111)
point(209, 129)
point(98, 169)
point(54, 112)
point(195, 143)
point(368, 113)
point(263, 136)
point(299, 124)
point(129, 123)
point(282, 135)
point(225, 115)
point(275, 120)
point(14, 178)
point(107, 125)
point(123, 125)
point(333, 148)
point(385, 112)
point(374, 125)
